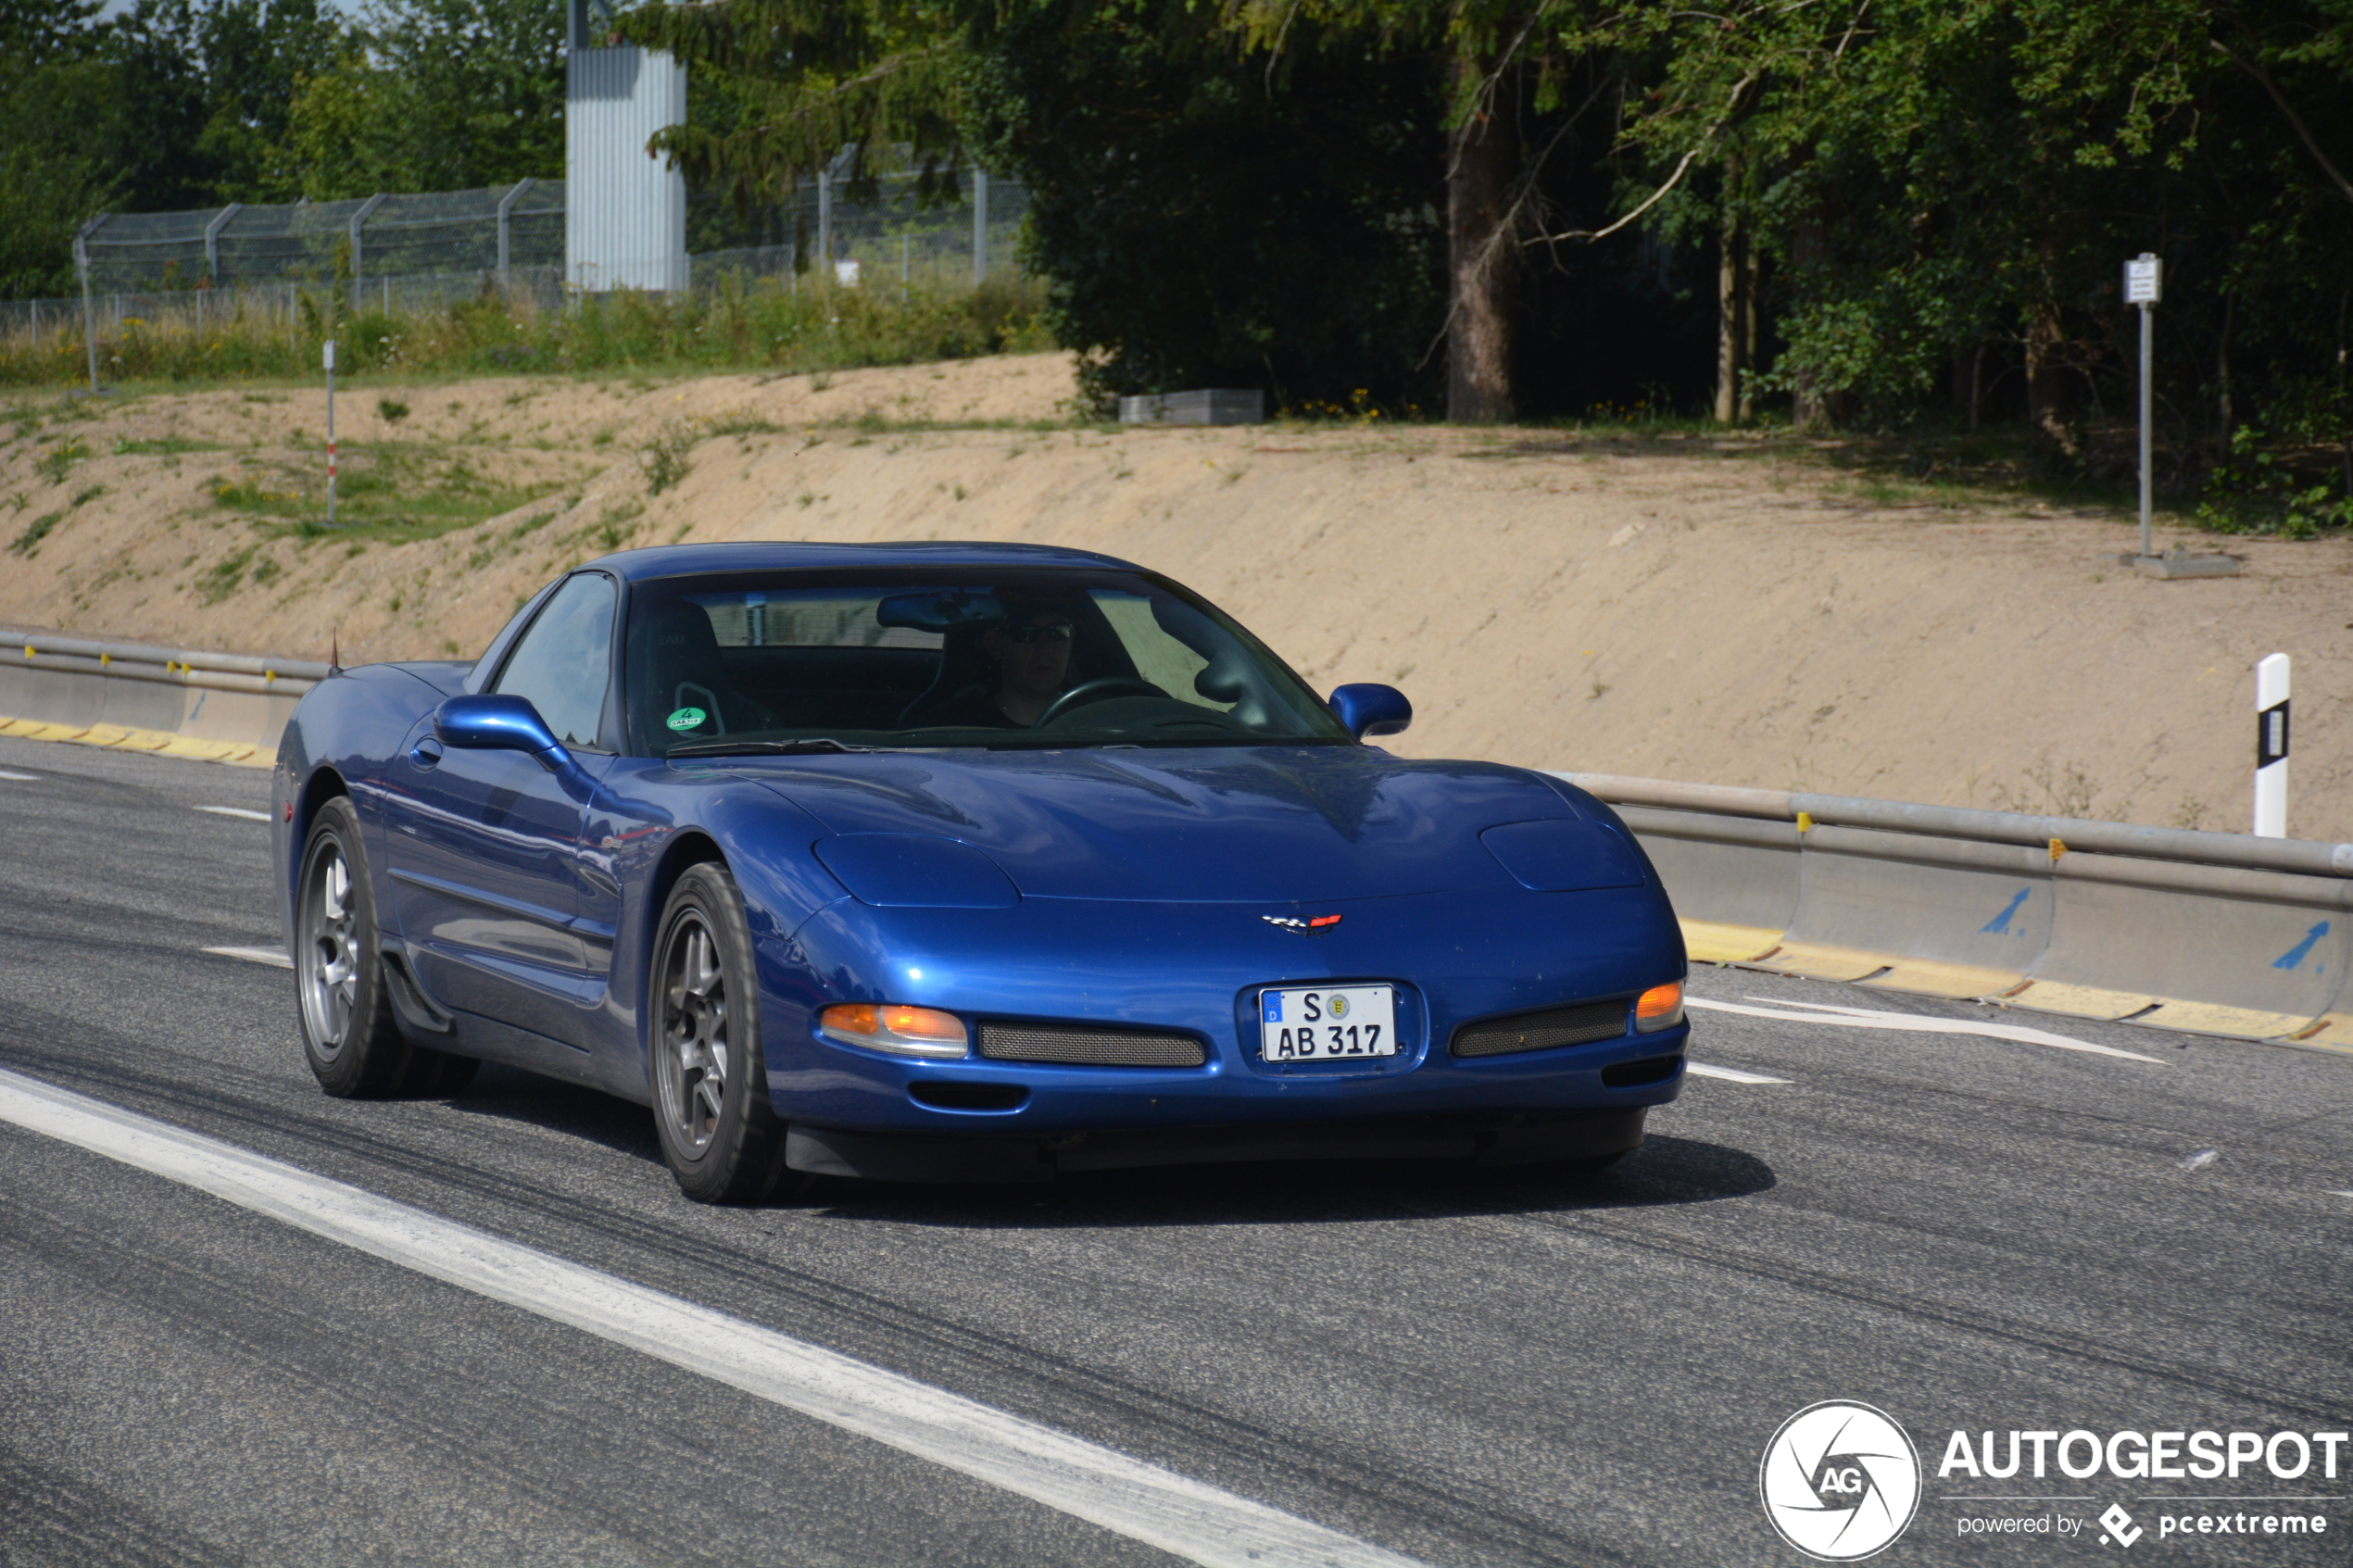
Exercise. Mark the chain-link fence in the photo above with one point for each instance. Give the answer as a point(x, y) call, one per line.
point(401, 253)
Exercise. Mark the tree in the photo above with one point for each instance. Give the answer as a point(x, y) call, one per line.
point(433, 96)
point(809, 79)
point(56, 84)
point(1204, 222)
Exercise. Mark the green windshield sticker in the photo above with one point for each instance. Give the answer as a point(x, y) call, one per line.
point(687, 719)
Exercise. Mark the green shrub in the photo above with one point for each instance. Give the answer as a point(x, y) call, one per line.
point(38, 530)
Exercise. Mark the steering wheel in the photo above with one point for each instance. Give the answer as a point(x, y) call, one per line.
point(1096, 691)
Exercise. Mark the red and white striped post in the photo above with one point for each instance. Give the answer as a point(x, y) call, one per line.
point(328, 354)
point(2271, 747)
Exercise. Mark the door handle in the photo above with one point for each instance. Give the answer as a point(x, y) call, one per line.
point(425, 753)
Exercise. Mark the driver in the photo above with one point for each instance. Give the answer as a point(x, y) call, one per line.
point(1029, 651)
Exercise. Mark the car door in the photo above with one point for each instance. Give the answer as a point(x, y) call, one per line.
point(486, 845)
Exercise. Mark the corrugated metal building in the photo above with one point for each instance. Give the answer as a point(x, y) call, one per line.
point(625, 217)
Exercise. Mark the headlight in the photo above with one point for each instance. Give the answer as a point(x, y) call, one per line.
point(1661, 1007)
point(903, 1031)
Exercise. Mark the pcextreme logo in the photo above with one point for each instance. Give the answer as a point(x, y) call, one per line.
point(1840, 1481)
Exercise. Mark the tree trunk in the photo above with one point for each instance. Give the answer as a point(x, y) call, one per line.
point(1481, 155)
point(1752, 297)
point(2049, 401)
point(2225, 417)
point(1730, 334)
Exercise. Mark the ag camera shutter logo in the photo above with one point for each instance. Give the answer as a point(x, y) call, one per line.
point(1840, 1481)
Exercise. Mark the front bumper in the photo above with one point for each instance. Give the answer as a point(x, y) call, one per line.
point(1453, 958)
point(1492, 1138)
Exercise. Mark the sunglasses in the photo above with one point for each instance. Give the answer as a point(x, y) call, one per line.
point(1058, 633)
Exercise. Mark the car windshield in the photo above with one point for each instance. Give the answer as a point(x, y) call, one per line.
point(1047, 658)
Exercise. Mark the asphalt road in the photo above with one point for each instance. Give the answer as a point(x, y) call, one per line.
point(1466, 1368)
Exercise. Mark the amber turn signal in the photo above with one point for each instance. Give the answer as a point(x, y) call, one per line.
point(1661, 1007)
point(890, 1026)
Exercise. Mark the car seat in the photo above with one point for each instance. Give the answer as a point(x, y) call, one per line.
point(684, 669)
point(962, 665)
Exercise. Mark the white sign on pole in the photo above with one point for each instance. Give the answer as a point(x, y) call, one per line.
point(327, 355)
point(2141, 280)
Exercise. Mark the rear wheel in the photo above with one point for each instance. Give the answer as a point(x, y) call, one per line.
point(719, 1132)
point(349, 1036)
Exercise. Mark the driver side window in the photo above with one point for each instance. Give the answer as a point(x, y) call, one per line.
point(563, 663)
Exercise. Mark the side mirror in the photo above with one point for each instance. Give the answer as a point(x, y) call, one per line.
point(498, 722)
point(1370, 710)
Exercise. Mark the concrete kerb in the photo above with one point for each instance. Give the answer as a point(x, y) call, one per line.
point(2219, 934)
point(222, 707)
point(2208, 949)
point(1939, 916)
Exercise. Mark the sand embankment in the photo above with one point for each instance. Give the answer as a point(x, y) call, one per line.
point(1718, 611)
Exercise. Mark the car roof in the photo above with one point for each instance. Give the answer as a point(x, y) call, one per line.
point(675, 561)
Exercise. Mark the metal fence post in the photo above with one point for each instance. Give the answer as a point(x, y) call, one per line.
point(506, 228)
point(89, 319)
point(981, 226)
point(212, 238)
point(358, 221)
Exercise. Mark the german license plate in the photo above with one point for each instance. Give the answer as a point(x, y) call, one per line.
point(1327, 1023)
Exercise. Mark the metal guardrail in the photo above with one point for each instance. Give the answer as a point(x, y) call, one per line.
point(2205, 932)
point(2302, 857)
point(36, 649)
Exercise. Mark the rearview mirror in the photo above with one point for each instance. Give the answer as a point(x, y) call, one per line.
point(1369, 709)
point(498, 723)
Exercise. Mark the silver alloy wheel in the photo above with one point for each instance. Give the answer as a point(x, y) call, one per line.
point(329, 952)
point(692, 1065)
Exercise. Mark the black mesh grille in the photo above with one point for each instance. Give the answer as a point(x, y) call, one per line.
point(1541, 1030)
point(1085, 1046)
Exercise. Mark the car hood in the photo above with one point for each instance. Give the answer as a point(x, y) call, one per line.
point(1287, 825)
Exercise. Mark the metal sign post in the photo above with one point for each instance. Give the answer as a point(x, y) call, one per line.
point(2142, 287)
point(2271, 747)
point(2143, 284)
point(328, 355)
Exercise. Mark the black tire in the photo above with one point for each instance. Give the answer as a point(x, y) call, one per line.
point(718, 1129)
point(349, 1036)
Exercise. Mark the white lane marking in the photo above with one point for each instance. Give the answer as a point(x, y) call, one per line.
point(1179, 1515)
point(236, 811)
point(2341, 1193)
point(18, 778)
point(1869, 1017)
point(274, 956)
point(1729, 1074)
point(2198, 1159)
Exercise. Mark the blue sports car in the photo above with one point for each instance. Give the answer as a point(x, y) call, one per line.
point(957, 862)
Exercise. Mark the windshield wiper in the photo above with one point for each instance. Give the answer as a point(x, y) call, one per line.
point(768, 747)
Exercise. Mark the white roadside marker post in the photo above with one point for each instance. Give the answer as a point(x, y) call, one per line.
point(2143, 286)
point(328, 353)
point(2271, 747)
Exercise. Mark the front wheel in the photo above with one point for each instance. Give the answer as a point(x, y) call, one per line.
point(719, 1132)
point(348, 1035)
